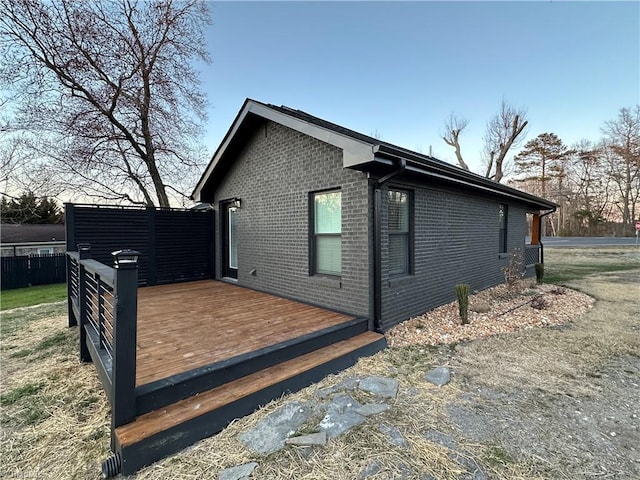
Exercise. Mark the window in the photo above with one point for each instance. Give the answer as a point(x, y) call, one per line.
point(502, 225)
point(399, 232)
point(326, 239)
point(45, 251)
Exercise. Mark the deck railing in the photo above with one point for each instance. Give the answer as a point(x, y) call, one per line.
point(103, 303)
point(531, 254)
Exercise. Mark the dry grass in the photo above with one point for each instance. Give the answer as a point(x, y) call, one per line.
point(55, 417)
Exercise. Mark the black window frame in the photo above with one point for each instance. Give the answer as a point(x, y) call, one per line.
point(313, 262)
point(503, 227)
point(409, 234)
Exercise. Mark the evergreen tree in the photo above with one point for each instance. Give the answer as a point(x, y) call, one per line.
point(541, 159)
point(28, 208)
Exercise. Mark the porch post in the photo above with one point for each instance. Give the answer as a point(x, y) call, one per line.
point(84, 253)
point(535, 229)
point(123, 371)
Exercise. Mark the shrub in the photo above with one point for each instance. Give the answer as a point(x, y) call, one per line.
point(539, 303)
point(514, 272)
point(462, 291)
point(539, 273)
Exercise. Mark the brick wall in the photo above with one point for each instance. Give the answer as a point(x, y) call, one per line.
point(273, 177)
point(456, 241)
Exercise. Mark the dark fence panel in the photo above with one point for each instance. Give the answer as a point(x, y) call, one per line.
point(46, 269)
point(175, 245)
point(23, 271)
point(15, 272)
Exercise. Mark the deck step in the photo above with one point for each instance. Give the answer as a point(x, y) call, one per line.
point(156, 395)
point(167, 430)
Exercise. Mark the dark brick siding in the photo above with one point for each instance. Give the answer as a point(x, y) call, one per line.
point(456, 241)
point(273, 177)
point(456, 234)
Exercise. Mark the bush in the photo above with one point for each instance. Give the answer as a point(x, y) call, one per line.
point(514, 272)
point(539, 273)
point(462, 291)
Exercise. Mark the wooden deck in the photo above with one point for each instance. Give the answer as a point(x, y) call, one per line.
point(185, 326)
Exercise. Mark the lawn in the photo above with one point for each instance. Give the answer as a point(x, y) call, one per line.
point(564, 265)
point(27, 297)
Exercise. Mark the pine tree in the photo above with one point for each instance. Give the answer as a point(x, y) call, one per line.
point(541, 159)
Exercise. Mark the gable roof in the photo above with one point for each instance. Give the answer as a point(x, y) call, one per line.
point(361, 152)
point(31, 233)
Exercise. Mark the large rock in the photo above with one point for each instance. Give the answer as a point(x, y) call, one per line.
point(349, 383)
point(238, 473)
point(341, 416)
point(372, 409)
point(438, 376)
point(270, 433)
point(393, 435)
point(319, 438)
point(380, 386)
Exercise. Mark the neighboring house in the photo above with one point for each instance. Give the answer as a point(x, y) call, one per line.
point(321, 214)
point(31, 239)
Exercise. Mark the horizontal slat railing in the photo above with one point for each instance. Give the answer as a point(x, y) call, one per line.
point(103, 301)
point(531, 255)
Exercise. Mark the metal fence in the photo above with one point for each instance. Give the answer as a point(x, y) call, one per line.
point(25, 271)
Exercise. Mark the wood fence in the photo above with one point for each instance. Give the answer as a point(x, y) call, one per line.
point(25, 271)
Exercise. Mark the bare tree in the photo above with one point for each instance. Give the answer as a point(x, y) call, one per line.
point(590, 182)
point(108, 91)
point(622, 144)
point(453, 128)
point(504, 131)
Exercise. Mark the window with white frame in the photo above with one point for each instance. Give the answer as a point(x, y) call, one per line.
point(326, 235)
point(399, 226)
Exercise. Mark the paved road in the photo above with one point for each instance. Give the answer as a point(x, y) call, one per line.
point(551, 242)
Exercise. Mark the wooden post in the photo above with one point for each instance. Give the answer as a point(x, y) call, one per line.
point(535, 229)
point(84, 252)
point(123, 373)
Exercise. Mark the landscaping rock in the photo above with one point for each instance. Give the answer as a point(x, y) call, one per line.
point(441, 438)
point(238, 473)
point(349, 383)
point(393, 435)
point(372, 409)
point(438, 376)
point(370, 470)
point(474, 471)
point(270, 433)
point(341, 416)
point(380, 386)
point(319, 438)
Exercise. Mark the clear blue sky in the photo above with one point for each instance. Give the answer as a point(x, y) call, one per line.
point(399, 68)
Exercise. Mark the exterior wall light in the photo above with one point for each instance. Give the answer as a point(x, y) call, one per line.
point(237, 203)
point(125, 258)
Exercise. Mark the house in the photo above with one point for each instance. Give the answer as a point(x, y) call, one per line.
point(309, 240)
point(316, 212)
point(31, 239)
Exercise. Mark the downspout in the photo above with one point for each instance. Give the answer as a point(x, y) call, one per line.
point(540, 230)
point(377, 243)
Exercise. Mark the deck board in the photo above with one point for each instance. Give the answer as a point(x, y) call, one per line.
point(190, 408)
point(189, 325)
